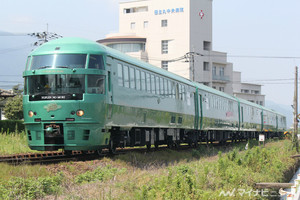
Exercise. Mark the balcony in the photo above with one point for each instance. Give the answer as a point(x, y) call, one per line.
point(217, 78)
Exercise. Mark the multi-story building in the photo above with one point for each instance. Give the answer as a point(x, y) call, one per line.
point(175, 35)
point(248, 91)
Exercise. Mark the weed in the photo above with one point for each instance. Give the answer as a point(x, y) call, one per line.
point(99, 174)
point(31, 188)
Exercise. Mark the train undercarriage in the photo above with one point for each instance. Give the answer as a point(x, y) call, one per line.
point(174, 137)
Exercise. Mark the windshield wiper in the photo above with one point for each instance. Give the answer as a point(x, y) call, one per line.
point(44, 67)
point(63, 67)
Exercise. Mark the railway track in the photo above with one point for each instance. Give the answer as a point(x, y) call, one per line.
point(61, 156)
point(46, 157)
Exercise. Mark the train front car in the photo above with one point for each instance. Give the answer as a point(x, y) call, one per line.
point(64, 96)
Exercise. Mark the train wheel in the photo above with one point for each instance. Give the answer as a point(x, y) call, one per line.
point(68, 152)
point(112, 147)
point(148, 146)
point(98, 152)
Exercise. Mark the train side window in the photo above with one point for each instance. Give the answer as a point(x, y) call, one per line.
point(120, 75)
point(138, 79)
point(96, 62)
point(132, 77)
point(148, 81)
point(177, 91)
point(183, 92)
point(180, 91)
point(166, 87)
point(126, 76)
point(162, 92)
point(157, 85)
point(152, 84)
point(96, 84)
point(173, 90)
point(169, 89)
point(143, 81)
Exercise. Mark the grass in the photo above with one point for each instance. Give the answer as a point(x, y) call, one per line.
point(204, 173)
point(13, 143)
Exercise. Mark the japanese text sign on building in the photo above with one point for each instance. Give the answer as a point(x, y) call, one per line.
point(168, 11)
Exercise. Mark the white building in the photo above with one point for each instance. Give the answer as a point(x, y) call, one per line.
point(248, 91)
point(175, 35)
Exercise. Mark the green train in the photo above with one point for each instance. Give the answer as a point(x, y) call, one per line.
point(81, 95)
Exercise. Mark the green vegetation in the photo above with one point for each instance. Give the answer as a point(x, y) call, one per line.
point(13, 126)
point(31, 188)
point(12, 143)
point(202, 173)
point(99, 174)
point(14, 108)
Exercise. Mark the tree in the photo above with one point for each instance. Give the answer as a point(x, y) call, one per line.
point(14, 108)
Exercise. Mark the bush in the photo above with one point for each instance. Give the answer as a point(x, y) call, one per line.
point(11, 126)
point(99, 174)
point(14, 108)
point(31, 188)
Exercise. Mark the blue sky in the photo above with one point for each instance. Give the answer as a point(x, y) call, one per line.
point(240, 28)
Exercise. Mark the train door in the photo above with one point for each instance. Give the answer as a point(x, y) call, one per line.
point(200, 111)
point(196, 123)
point(109, 63)
point(242, 114)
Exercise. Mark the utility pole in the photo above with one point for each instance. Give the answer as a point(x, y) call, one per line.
point(295, 135)
point(190, 57)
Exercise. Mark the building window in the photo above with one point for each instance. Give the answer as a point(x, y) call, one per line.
point(146, 24)
point(254, 92)
point(206, 66)
point(128, 10)
point(222, 71)
point(128, 47)
point(164, 23)
point(132, 25)
point(164, 46)
point(214, 70)
point(222, 89)
point(164, 65)
point(206, 45)
point(135, 9)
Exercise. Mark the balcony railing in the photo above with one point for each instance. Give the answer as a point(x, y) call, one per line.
point(220, 78)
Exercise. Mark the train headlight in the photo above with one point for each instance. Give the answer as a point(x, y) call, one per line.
point(80, 113)
point(30, 114)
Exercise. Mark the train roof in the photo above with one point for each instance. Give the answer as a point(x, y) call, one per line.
point(69, 45)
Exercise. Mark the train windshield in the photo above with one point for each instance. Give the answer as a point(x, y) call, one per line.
point(56, 87)
point(58, 61)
